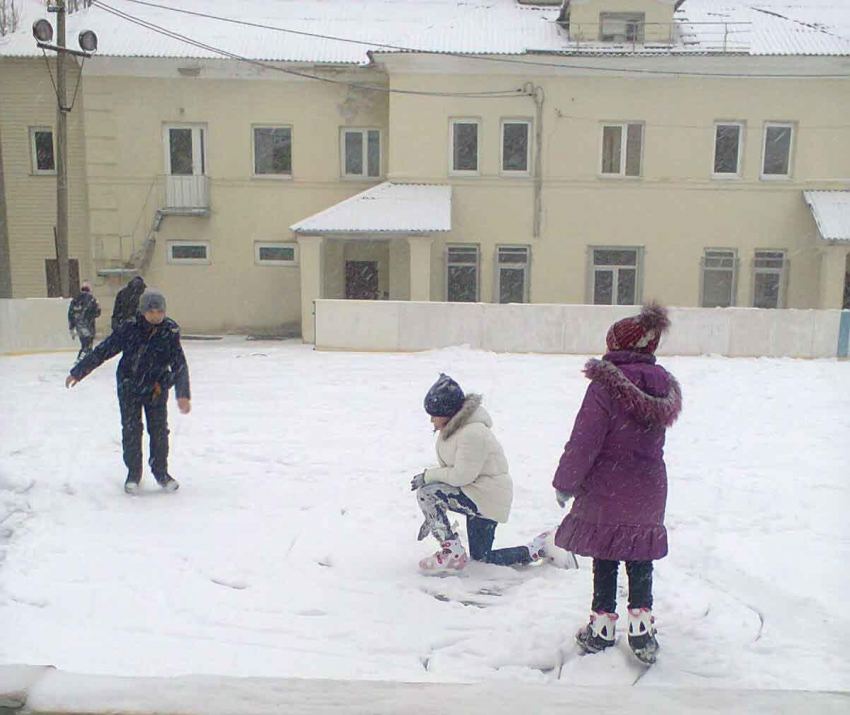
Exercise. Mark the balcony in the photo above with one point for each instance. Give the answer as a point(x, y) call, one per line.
point(186, 195)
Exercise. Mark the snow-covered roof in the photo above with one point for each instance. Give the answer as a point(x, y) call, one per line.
point(487, 27)
point(464, 26)
point(386, 208)
point(831, 211)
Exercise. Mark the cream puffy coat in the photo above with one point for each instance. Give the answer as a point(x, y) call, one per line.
point(471, 458)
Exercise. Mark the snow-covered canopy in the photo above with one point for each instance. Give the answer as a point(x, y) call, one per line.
point(386, 208)
point(831, 211)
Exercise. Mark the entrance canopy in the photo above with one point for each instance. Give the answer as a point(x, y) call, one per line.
point(831, 211)
point(386, 208)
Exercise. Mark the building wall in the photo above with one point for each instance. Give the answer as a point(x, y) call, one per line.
point(674, 210)
point(27, 99)
point(125, 120)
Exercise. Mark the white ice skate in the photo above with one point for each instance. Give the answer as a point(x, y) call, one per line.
point(557, 556)
point(451, 557)
point(642, 638)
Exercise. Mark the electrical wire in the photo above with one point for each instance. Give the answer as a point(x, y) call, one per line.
point(483, 58)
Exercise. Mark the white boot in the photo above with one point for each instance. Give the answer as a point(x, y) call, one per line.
point(642, 638)
point(599, 633)
point(451, 557)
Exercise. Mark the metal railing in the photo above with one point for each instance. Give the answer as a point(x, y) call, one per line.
point(721, 36)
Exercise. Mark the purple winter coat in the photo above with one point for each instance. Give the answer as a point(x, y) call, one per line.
point(614, 461)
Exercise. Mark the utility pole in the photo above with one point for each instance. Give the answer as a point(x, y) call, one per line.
point(61, 155)
point(42, 31)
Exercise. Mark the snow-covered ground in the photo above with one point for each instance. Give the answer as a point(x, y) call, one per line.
point(291, 548)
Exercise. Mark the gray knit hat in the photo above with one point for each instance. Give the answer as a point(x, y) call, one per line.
point(151, 299)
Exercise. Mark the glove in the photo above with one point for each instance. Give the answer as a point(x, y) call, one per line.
point(73, 334)
point(417, 482)
point(562, 498)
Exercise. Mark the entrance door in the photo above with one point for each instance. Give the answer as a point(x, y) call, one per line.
point(361, 280)
point(185, 166)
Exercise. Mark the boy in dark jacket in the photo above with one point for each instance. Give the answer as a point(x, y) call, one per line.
point(82, 312)
point(151, 363)
point(127, 302)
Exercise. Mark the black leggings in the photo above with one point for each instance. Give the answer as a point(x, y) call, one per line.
point(605, 584)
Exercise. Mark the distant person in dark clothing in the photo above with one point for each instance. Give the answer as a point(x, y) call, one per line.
point(127, 302)
point(82, 313)
point(152, 362)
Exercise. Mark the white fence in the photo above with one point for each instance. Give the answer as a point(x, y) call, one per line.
point(35, 325)
point(574, 329)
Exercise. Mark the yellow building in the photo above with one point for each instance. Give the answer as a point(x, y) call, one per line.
point(599, 151)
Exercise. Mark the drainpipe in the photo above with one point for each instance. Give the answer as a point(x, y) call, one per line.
point(537, 94)
point(5, 260)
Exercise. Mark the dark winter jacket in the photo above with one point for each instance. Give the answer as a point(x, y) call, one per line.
point(83, 311)
point(127, 302)
point(152, 359)
point(614, 461)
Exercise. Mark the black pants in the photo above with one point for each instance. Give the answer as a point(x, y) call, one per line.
point(605, 584)
point(86, 336)
point(481, 533)
point(156, 415)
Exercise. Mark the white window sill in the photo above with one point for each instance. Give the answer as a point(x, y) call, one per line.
point(775, 177)
point(726, 177)
point(465, 174)
point(508, 174)
point(619, 177)
point(272, 177)
point(352, 177)
point(43, 173)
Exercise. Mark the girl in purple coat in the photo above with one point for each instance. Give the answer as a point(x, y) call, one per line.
point(613, 466)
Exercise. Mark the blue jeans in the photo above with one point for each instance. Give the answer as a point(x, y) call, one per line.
point(436, 499)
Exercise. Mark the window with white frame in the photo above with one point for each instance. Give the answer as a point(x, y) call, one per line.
point(622, 149)
point(719, 278)
point(516, 146)
point(464, 146)
point(621, 26)
point(727, 149)
point(615, 276)
point(360, 150)
point(41, 146)
point(512, 274)
point(462, 273)
point(195, 252)
point(776, 152)
point(276, 254)
point(769, 271)
point(273, 151)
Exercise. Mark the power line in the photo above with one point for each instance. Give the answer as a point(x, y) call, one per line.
point(500, 94)
point(481, 58)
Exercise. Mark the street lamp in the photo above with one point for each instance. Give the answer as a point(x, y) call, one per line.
point(42, 31)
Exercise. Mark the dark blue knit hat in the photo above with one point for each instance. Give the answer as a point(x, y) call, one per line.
point(445, 398)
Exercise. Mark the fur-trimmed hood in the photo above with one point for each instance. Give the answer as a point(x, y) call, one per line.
point(467, 414)
point(647, 409)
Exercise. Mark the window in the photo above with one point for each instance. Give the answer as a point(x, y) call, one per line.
point(43, 157)
point(727, 150)
point(185, 252)
point(276, 254)
point(464, 146)
point(512, 274)
point(621, 26)
point(516, 146)
point(462, 274)
point(776, 155)
point(769, 269)
point(273, 151)
point(622, 148)
point(51, 270)
point(719, 277)
point(361, 152)
point(615, 276)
